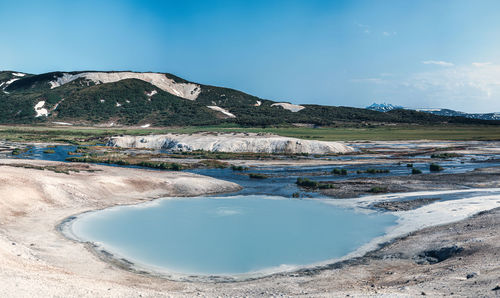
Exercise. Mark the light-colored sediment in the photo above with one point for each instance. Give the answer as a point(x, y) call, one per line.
point(185, 90)
point(38, 261)
point(236, 142)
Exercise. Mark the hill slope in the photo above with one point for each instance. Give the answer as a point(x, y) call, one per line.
point(162, 99)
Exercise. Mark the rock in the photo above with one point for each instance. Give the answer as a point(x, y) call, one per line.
point(438, 255)
point(471, 275)
point(237, 143)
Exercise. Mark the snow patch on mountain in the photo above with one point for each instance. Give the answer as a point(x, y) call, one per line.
point(288, 106)
point(222, 110)
point(185, 90)
point(40, 110)
point(10, 82)
point(383, 107)
point(152, 93)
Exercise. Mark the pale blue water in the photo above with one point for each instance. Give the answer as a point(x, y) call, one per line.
point(230, 235)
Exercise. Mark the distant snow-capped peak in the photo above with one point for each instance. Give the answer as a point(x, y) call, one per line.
point(383, 107)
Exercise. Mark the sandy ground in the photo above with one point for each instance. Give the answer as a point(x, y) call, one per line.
point(37, 261)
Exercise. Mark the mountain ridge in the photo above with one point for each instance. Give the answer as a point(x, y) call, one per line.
point(385, 107)
point(163, 99)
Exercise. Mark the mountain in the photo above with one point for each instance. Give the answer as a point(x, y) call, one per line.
point(385, 107)
point(448, 112)
point(162, 99)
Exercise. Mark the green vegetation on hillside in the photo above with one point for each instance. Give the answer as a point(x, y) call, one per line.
point(130, 102)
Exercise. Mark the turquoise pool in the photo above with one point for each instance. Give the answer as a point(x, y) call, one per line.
point(230, 235)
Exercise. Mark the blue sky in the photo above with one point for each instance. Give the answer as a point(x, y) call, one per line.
point(411, 53)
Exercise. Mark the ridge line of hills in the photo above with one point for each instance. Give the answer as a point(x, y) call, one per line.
point(162, 99)
point(386, 107)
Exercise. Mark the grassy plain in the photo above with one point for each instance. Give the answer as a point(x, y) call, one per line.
point(93, 135)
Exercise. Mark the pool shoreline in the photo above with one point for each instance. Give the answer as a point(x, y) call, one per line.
point(406, 226)
point(107, 255)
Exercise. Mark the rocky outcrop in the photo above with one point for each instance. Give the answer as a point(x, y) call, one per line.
point(185, 90)
point(229, 143)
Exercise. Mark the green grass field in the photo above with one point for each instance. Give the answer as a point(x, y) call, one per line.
point(90, 135)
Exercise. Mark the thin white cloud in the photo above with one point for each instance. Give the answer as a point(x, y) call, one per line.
point(369, 80)
point(440, 63)
point(388, 34)
point(364, 28)
point(481, 64)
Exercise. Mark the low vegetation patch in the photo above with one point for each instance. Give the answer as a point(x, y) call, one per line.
point(109, 160)
point(65, 169)
point(17, 151)
point(434, 167)
point(212, 163)
point(308, 183)
point(338, 171)
point(374, 171)
point(49, 151)
point(161, 165)
point(238, 168)
point(415, 171)
point(379, 189)
point(257, 176)
point(445, 155)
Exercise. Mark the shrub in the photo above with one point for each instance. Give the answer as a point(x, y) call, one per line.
point(410, 165)
point(326, 186)
point(308, 183)
point(445, 155)
point(213, 163)
point(176, 167)
point(257, 176)
point(376, 171)
point(158, 165)
point(433, 167)
point(416, 171)
point(238, 168)
point(338, 171)
point(378, 189)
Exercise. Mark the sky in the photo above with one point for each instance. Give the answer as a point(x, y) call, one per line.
point(418, 54)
